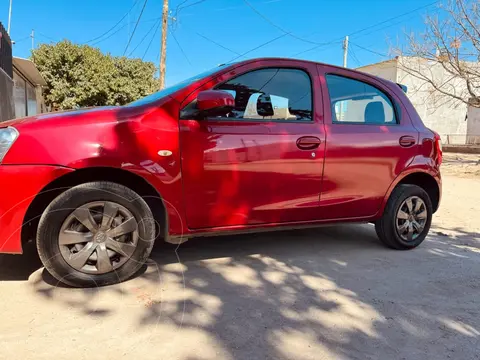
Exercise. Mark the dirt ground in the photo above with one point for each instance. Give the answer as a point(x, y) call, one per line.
point(329, 293)
point(463, 165)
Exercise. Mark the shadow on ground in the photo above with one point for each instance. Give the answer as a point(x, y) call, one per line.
point(332, 292)
point(19, 267)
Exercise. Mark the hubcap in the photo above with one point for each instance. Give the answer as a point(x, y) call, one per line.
point(98, 237)
point(411, 218)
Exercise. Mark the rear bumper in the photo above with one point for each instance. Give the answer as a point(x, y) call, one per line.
point(19, 184)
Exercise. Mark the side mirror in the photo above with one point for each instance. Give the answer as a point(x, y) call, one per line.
point(265, 106)
point(215, 102)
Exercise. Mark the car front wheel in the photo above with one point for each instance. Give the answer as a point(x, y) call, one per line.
point(406, 219)
point(95, 234)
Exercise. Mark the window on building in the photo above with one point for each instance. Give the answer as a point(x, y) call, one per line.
point(354, 101)
point(271, 94)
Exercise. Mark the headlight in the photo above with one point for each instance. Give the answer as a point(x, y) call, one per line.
point(8, 136)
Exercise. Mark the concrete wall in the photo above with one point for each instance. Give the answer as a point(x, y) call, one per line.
point(473, 126)
point(7, 109)
point(386, 70)
point(438, 111)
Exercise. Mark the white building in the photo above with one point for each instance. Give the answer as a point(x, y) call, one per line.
point(27, 89)
point(452, 119)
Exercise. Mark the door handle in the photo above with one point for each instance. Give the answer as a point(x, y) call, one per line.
point(407, 141)
point(308, 142)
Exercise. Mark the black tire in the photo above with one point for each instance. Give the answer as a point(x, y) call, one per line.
point(63, 205)
point(386, 226)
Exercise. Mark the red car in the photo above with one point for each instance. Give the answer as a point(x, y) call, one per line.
point(262, 144)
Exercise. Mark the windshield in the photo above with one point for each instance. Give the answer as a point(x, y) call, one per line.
point(171, 89)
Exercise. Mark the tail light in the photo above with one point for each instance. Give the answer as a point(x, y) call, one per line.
point(437, 148)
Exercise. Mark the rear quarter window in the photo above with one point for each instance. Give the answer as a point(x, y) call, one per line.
point(354, 101)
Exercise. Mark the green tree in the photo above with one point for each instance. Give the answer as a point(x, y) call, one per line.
point(80, 75)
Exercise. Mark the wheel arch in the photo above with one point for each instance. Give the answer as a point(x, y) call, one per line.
point(81, 176)
point(422, 178)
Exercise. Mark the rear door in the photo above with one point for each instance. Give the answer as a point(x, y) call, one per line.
point(370, 140)
point(263, 163)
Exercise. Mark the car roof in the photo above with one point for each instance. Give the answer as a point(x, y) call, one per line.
point(385, 81)
point(291, 60)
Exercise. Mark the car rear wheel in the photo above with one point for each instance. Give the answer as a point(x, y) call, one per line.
point(95, 234)
point(406, 219)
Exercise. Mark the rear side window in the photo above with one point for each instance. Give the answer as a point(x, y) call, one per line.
point(354, 101)
point(271, 94)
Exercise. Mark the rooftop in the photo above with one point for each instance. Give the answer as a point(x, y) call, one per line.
point(29, 70)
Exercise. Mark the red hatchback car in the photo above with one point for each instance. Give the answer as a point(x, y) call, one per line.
point(256, 145)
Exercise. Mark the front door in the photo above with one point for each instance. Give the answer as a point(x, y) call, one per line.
point(262, 163)
point(370, 141)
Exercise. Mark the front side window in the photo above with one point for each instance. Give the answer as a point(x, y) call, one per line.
point(271, 94)
point(354, 101)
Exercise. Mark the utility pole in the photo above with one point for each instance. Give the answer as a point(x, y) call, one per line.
point(345, 51)
point(341, 115)
point(163, 47)
point(9, 17)
point(32, 35)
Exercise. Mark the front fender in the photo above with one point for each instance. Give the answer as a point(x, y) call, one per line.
point(20, 184)
point(132, 139)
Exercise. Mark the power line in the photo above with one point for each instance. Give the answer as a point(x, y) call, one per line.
point(371, 26)
point(218, 44)
point(269, 80)
point(354, 56)
point(181, 49)
point(114, 26)
point(258, 47)
point(151, 40)
point(120, 29)
point(22, 39)
point(143, 39)
point(382, 28)
point(239, 7)
point(135, 28)
point(109, 36)
point(180, 7)
point(336, 40)
point(192, 4)
point(390, 25)
point(45, 36)
point(366, 49)
point(279, 27)
point(333, 42)
point(395, 17)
